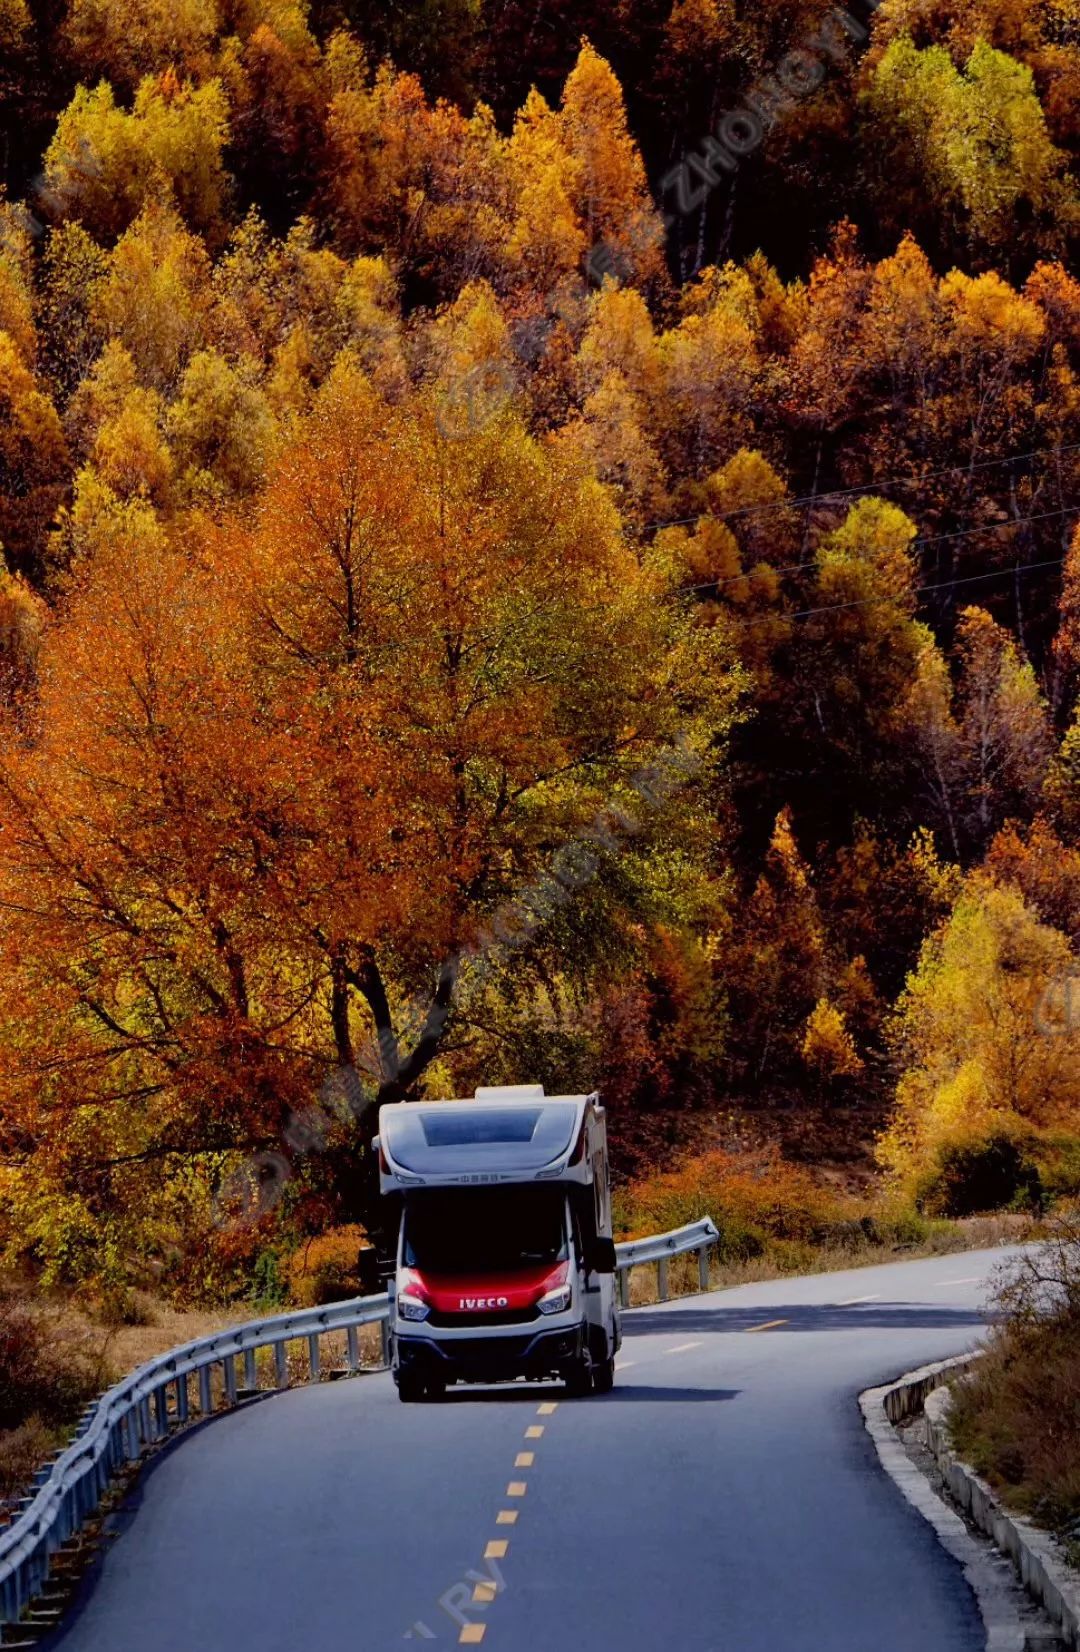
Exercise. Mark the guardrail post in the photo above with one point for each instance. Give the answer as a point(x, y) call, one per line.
point(181, 1400)
point(281, 1365)
point(662, 1278)
point(228, 1366)
point(703, 1267)
point(624, 1287)
point(206, 1397)
point(161, 1410)
point(251, 1376)
point(384, 1341)
point(313, 1356)
point(352, 1355)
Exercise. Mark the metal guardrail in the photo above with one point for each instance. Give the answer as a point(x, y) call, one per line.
point(660, 1248)
point(140, 1412)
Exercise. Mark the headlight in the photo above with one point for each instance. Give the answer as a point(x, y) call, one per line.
point(411, 1307)
point(557, 1301)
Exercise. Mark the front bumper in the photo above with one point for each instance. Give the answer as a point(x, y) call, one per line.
point(546, 1353)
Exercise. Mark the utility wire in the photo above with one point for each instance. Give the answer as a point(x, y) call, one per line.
point(808, 500)
point(929, 539)
point(923, 590)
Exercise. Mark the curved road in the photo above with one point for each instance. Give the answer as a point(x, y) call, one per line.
point(725, 1498)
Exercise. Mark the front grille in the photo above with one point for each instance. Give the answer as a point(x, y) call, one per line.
point(499, 1316)
point(489, 1351)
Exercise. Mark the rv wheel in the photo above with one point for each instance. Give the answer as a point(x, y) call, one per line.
point(604, 1376)
point(411, 1388)
point(579, 1379)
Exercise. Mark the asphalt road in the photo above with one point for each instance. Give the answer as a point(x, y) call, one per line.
point(725, 1498)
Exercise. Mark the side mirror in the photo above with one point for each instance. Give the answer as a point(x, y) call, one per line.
point(602, 1257)
point(369, 1271)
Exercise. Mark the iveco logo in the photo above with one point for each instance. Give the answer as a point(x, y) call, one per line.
point(483, 1302)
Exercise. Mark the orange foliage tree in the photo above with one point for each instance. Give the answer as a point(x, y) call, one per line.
point(280, 772)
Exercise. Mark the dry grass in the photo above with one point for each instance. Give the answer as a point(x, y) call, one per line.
point(55, 1356)
point(22, 1451)
point(65, 1356)
point(129, 1346)
point(1016, 1415)
point(776, 1218)
point(944, 1239)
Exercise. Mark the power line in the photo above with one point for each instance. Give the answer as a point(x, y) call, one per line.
point(916, 544)
point(942, 585)
point(908, 480)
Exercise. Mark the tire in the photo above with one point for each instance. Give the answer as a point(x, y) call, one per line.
point(604, 1376)
point(579, 1379)
point(411, 1388)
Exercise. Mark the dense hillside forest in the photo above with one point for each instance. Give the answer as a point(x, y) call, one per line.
point(539, 543)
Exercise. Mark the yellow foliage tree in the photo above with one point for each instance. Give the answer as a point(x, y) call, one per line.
point(983, 1034)
point(828, 1048)
point(156, 297)
point(15, 22)
point(548, 242)
point(22, 617)
point(104, 165)
point(971, 144)
point(612, 197)
point(123, 42)
point(221, 428)
point(33, 459)
point(16, 284)
point(130, 452)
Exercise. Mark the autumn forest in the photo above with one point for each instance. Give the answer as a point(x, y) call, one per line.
point(539, 542)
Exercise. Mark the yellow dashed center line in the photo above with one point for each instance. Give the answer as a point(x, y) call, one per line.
point(769, 1325)
point(683, 1348)
point(484, 1593)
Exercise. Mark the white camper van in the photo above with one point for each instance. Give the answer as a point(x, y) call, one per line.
point(505, 1259)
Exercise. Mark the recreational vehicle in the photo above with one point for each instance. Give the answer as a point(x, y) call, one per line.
point(505, 1257)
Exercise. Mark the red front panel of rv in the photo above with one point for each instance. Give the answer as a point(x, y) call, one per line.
point(477, 1293)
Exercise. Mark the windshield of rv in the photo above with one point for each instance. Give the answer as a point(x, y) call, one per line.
point(482, 1230)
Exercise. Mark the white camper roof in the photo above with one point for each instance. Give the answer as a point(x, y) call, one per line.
point(502, 1135)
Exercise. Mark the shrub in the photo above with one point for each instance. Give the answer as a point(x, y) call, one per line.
point(120, 1305)
point(39, 1375)
point(269, 1283)
point(900, 1227)
point(757, 1200)
point(1059, 1166)
point(1016, 1416)
point(23, 1451)
point(326, 1268)
point(974, 1177)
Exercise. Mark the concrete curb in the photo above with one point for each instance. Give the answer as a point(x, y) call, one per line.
point(1035, 1555)
point(985, 1573)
